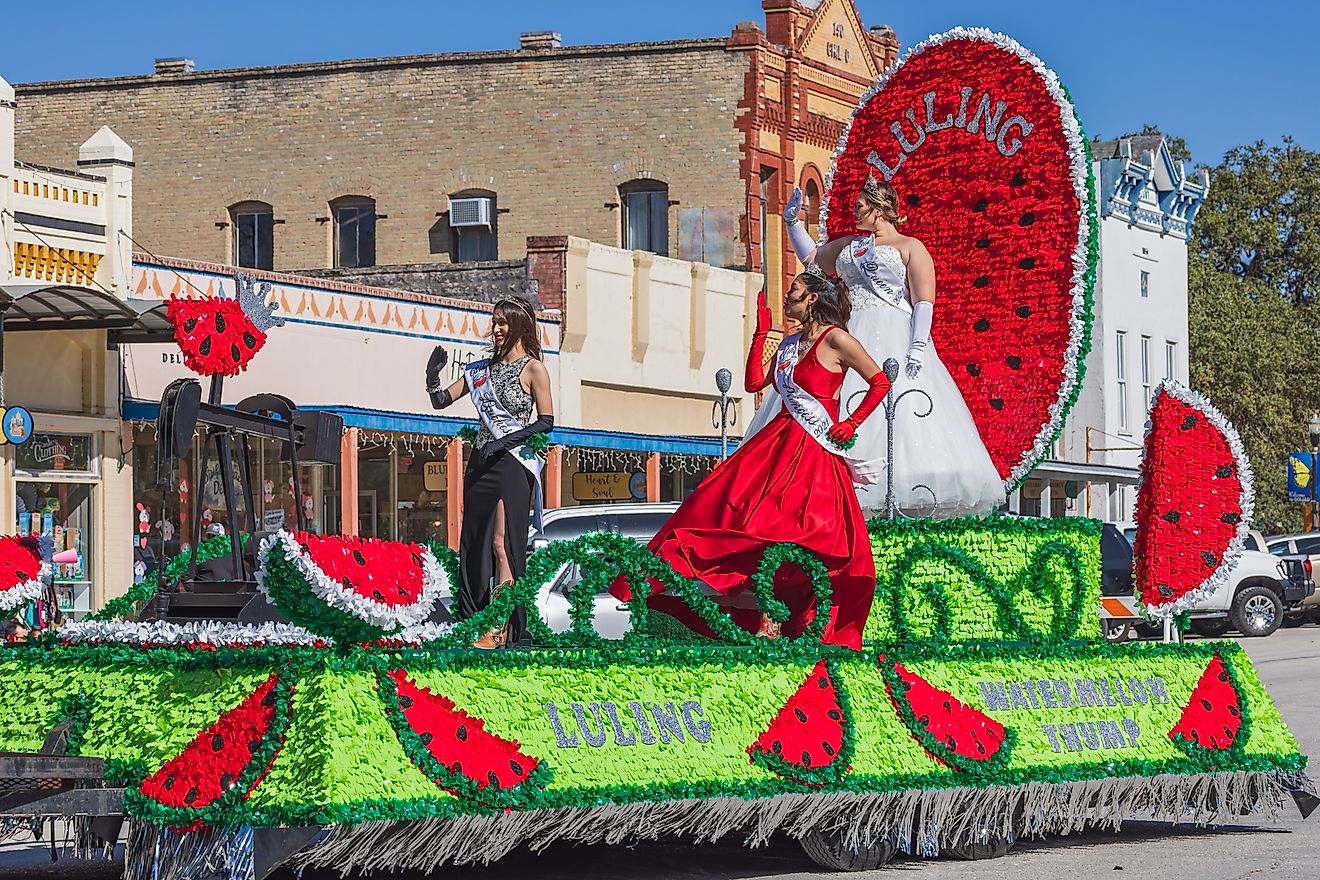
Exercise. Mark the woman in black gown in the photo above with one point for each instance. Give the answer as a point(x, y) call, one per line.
point(498, 484)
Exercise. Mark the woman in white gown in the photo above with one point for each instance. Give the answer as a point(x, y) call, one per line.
point(941, 467)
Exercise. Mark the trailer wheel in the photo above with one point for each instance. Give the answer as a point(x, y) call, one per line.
point(975, 847)
point(1116, 630)
point(828, 850)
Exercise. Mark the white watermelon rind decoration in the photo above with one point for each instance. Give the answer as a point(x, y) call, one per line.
point(387, 618)
point(1085, 254)
point(1247, 500)
point(27, 591)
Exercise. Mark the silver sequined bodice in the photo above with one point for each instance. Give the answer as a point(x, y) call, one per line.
point(506, 380)
point(875, 274)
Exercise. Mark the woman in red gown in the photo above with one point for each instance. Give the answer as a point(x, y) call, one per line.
point(784, 486)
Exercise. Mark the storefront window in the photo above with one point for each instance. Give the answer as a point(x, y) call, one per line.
point(55, 486)
point(423, 486)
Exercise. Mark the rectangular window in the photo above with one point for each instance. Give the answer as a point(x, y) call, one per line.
point(1145, 370)
point(254, 239)
point(767, 175)
point(476, 244)
point(355, 241)
point(1170, 360)
point(647, 221)
point(1120, 353)
point(1145, 285)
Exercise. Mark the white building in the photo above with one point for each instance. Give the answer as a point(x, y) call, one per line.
point(1146, 202)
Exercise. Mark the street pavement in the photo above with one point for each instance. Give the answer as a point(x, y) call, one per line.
point(1288, 663)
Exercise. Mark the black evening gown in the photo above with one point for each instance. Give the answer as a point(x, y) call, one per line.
point(499, 478)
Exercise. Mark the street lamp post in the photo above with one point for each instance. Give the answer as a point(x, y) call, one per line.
point(1315, 458)
point(720, 415)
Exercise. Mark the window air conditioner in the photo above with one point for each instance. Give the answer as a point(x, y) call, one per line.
point(470, 212)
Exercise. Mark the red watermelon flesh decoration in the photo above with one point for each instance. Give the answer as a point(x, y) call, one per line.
point(21, 571)
point(993, 180)
point(455, 750)
point(1212, 719)
point(387, 572)
point(231, 756)
point(951, 732)
point(806, 741)
point(1193, 505)
point(215, 335)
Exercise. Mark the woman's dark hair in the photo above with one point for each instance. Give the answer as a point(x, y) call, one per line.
point(832, 305)
point(518, 314)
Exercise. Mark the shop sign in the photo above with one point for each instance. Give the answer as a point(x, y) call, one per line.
point(15, 425)
point(55, 452)
point(602, 486)
point(435, 476)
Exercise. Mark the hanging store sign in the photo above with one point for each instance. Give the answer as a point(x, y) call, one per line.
point(15, 425)
point(435, 476)
point(602, 486)
point(54, 452)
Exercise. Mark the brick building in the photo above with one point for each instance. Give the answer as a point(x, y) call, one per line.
point(680, 148)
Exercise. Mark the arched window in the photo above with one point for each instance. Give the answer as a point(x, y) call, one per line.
point(355, 231)
point(474, 222)
point(645, 216)
point(811, 200)
point(254, 235)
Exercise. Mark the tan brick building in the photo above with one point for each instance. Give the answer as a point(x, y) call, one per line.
point(682, 148)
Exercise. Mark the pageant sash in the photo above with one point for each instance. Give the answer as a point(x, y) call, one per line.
point(501, 423)
point(865, 257)
point(809, 412)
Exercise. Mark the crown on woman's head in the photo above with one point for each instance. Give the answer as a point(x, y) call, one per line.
point(872, 186)
point(814, 269)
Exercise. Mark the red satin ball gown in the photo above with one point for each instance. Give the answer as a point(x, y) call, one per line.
point(781, 486)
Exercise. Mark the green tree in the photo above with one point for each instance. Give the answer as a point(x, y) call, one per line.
point(1261, 219)
point(1256, 356)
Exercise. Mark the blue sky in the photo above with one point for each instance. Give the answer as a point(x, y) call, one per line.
point(1218, 74)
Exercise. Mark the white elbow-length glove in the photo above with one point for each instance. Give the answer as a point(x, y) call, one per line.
point(923, 313)
point(798, 236)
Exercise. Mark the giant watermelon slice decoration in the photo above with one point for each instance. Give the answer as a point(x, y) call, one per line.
point(1213, 721)
point(455, 750)
point(952, 732)
point(23, 571)
point(810, 738)
point(1194, 503)
point(350, 588)
point(225, 762)
point(219, 336)
point(993, 175)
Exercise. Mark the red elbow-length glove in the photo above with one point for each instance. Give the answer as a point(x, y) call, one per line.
point(843, 431)
point(754, 378)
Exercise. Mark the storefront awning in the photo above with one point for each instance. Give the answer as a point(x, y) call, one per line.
point(1083, 472)
point(448, 426)
point(27, 307)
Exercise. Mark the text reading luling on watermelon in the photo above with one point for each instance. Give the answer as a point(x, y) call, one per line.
point(1007, 134)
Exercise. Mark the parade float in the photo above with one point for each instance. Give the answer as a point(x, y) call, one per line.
point(351, 730)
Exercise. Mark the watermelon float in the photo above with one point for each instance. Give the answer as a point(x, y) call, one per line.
point(219, 336)
point(984, 148)
point(356, 589)
point(24, 571)
point(1194, 503)
point(983, 706)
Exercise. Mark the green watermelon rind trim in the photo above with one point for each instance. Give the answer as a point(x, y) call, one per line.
point(940, 751)
point(1205, 756)
point(220, 812)
point(519, 796)
point(838, 767)
point(289, 592)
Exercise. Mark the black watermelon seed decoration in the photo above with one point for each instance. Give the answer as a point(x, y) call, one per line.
point(190, 325)
point(983, 243)
point(1023, 311)
point(1172, 516)
point(982, 281)
point(980, 206)
point(1017, 180)
point(1189, 423)
point(359, 558)
point(913, 200)
point(973, 370)
point(981, 325)
point(219, 323)
point(1210, 559)
point(1231, 518)
point(1224, 471)
point(1027, 263)
point(249, 340)
point(1027, 219)
point(997, 403)
point(1014, 362)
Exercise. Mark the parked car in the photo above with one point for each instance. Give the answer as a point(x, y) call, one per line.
point(1115, 578)
point(1305, 545)
point(1259, 591)
point(637, 521)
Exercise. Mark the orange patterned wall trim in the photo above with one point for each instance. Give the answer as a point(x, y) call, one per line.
point(62, 265)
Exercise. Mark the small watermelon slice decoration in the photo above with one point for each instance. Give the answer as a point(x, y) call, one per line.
point(455, 750)
point(1194, 503)
point(810, 739)
point(219, 336)
point(23, 571)
point(225, 762)
point(992, 171)
point(951, 732)
point(350, 588)
point(1215, 722)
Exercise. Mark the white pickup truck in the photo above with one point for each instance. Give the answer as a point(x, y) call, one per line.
point(1259, 591)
